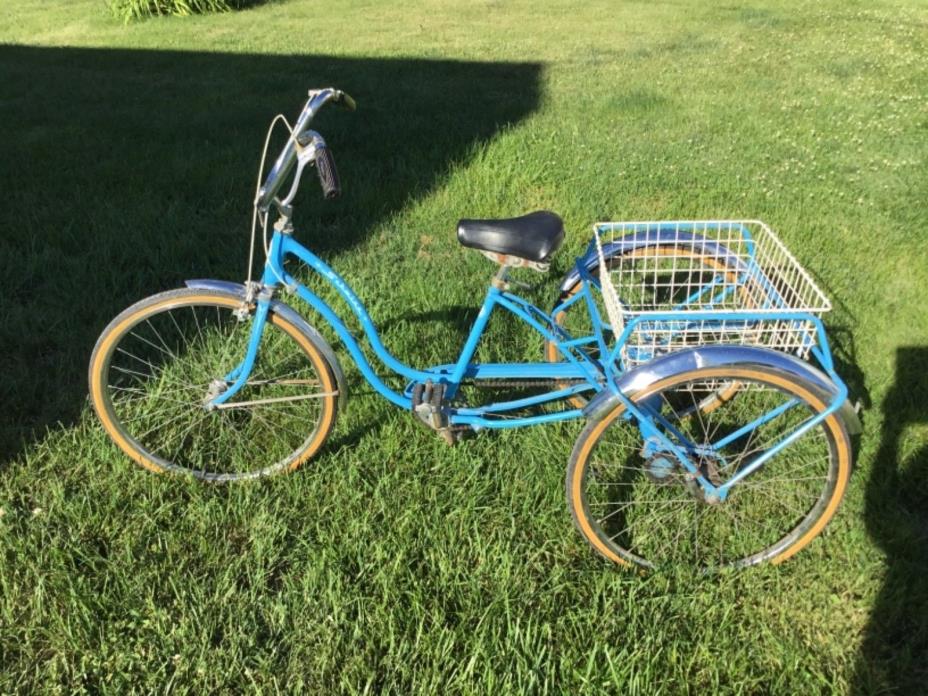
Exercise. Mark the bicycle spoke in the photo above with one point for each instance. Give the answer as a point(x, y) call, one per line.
point(160, 339)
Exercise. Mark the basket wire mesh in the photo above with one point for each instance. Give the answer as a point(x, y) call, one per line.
point(679, 284)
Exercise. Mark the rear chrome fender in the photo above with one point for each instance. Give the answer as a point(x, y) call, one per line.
point(291, 315)
point(719, 356)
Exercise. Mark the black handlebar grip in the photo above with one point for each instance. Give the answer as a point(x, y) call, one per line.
point(328, 174)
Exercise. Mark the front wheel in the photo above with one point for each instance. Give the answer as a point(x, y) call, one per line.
point(638, 506)
point(159, 363)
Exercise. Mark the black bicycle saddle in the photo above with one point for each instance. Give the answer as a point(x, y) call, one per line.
point(535, 236)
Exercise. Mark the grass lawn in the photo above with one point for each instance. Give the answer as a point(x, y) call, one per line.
point(392, 562)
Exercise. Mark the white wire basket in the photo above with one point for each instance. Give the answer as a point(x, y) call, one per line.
point(684, 283)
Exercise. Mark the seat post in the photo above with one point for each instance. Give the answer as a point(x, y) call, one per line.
point(500, 279)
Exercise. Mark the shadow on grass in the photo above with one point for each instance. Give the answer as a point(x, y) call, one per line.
point(456, 321)
point(127, 171)
point(847, 365)
point(894, 656)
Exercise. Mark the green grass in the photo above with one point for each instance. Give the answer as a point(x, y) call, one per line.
point(391, 562)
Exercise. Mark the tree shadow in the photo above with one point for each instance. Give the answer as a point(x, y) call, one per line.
point(894, 656)
point(127, 171)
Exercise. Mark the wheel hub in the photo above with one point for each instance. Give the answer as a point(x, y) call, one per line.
point(662, 469)
point(216, 387)
point(666, 470)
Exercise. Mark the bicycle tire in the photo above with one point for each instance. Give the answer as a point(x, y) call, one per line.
point(127, 387)
point(662, 492)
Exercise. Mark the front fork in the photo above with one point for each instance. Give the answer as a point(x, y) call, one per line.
point(259, 297)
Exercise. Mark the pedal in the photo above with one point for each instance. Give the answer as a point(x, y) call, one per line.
point(426, 404)
point(427, 400)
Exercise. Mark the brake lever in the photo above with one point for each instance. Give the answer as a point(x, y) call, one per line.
point(306, 143)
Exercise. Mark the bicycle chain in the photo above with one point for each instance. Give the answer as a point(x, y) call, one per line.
point(494, 383)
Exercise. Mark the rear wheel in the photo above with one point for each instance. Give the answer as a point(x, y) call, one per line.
point(637, 505)
point(157, 364)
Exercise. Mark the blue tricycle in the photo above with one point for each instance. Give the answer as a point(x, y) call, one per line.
point(717, 430)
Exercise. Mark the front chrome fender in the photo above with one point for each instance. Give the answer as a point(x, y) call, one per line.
point(291, 315)
point(719, 356)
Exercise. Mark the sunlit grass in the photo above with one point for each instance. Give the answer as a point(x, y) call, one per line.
point(391, 562)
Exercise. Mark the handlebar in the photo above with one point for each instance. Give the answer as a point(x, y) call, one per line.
point(346, 101)
point(285, 161)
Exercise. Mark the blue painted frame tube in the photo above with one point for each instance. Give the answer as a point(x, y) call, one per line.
point(291, 247)
point(648, 431)
point(658, 418)
point(773, 451)
point(589, 369)
point(516, 404)
point(566, 303)
point(756, 423)
point(507, 424)
point(470, 346)
point(513, 370)
point(243, 370)
point(593, 310)
point(275, 274)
